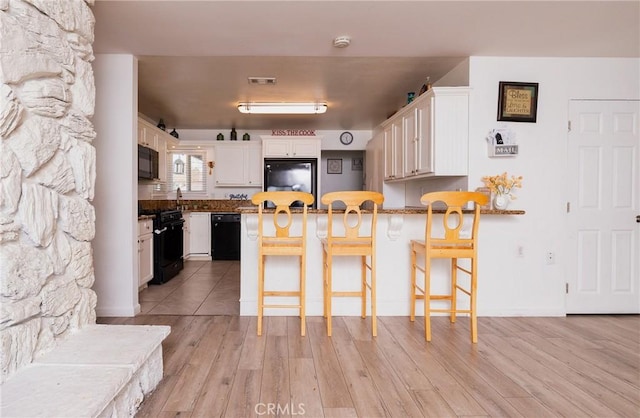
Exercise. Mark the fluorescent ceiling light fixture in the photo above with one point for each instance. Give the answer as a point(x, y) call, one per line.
point(283, 108)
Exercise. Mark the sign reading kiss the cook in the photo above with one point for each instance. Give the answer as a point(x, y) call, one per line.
point(293, 132)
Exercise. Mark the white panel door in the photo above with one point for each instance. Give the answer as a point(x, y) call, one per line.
point(604, 179)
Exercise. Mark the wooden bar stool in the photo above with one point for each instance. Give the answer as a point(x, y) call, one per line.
point(451, 244)
point(357, 240)
point(282, 243)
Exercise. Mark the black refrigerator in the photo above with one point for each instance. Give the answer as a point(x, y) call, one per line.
point(291, 174)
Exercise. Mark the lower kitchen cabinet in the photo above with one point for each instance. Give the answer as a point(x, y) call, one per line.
point(186, 234)
point(145, 251)
point(199, 234)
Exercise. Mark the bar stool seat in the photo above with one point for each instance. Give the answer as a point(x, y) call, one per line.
point(282, 243)
point(355, 240)
point(452, 244)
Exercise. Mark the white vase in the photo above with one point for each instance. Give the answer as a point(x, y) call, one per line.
point(501, 201)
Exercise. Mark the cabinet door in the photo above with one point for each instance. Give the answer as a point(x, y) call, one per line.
point(230, 165)
point(145, 258)
point(424, 138)
point(186, 234)
point(277, 148)
point(254, 166)
point(304, 148)
point(374, 162)
point(388, 152)
point(398, 149)
point(142, 134)
point(409, 133)
point(200, 233)
point(161, 147)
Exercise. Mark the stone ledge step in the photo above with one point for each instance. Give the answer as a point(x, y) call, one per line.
point(86, 372)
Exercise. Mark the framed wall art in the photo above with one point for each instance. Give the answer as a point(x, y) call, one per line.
point(517, 102)
point(334, 165)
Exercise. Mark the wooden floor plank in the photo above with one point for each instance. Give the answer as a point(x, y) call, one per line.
point(275, 386)
point(214, 395)
point(333, 387)
point(365, 395)
point(305, 390)
point(192, 377)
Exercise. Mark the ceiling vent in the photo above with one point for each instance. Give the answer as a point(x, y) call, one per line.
point(263, 81)
point(342, 42)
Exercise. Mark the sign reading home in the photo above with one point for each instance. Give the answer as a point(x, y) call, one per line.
point(293, 132)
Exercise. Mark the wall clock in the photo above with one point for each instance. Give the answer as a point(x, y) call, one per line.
point(346, 138)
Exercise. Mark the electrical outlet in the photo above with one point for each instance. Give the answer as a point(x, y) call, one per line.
point(520, 251)
point(551, 257)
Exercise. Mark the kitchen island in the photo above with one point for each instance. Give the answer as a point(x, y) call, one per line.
point(395, 229)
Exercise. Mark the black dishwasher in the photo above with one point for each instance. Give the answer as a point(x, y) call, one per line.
point(225, 236)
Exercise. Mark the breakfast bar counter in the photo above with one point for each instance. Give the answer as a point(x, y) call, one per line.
point(396, 227)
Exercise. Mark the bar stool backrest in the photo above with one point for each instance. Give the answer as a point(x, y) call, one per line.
point(352, 217)
point(453, 219)
point(282, 201)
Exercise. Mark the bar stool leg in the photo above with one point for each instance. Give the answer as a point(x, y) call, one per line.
point(260, 292)
point(427, 298)
point(363, 287)
point(374, 319)
point(412, 305)
point(303, 269)
point(454, 290)
point(329, 292)
point(474, 319)
point(324, 283)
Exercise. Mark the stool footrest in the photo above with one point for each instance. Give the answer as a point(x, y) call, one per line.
point(281, 293)
point(346, 294)
point(281, 306)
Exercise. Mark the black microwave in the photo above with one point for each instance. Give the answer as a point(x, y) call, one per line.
point(147, 163)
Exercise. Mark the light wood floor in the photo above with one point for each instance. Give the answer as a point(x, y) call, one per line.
point(215, 365)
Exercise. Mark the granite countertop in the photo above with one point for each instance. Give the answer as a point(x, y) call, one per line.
point(394, 211)
point(145, 217)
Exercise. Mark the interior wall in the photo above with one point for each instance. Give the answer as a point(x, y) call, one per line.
point(351, 178)
point(116, 258)
point(527, 285)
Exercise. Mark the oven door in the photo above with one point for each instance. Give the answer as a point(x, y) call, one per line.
point(170, 242)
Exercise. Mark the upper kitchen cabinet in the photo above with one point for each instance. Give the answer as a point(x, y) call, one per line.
point(393, 144)
point(238, 164)
point(293, 147)
point(159, 140)
point(434, 131)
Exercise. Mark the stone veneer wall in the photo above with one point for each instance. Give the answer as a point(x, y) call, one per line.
point(47, 175)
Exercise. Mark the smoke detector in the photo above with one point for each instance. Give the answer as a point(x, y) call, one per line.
point(341, 42)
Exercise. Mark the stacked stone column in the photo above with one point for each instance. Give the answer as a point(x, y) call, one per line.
point(47, 175)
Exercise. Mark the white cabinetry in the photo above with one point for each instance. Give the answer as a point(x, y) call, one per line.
point(199, 234)
point(186, 234)
point(295, 147)
point(238, 165)
point(393, 144)
point(145, 251)
point(147, 134)
point(434, 131)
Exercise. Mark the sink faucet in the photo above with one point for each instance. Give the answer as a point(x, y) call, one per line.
point(178, 197)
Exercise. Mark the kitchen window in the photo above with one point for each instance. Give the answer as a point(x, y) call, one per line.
point(187, 170)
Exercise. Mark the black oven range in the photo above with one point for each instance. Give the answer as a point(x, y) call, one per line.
point(167, 244)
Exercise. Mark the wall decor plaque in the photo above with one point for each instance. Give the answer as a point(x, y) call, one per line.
point(517, 102)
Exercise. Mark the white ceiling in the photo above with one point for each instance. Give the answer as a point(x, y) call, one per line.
point(195, 56)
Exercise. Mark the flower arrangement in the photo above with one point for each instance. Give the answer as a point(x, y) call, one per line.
point(502, 184)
